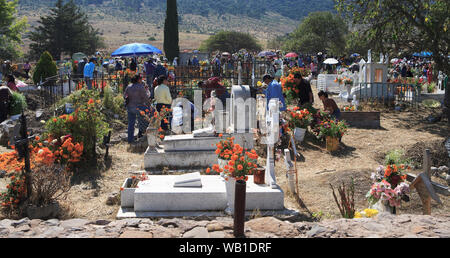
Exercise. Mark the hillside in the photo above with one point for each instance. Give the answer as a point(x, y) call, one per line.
point(140, 20)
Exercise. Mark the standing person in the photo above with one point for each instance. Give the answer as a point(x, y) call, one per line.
point(149, 68)
point(274, 91)
point(133, 65)
point(159, 70)
point(5, 99)
point(429, 74)
point(88, 73)
point(27, 68)
point(163, 97)
point(11, 82)
point(313, 68)
point(80, 69)
point(305, 92)
point(329, 105)
point(136, 98)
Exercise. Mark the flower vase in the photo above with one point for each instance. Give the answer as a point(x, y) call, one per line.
point(332, 143)
point(230, 185)
point(299, 134)
point(152, 137)
point(384, 207)
point(349, 91)
point(259, 176)
point(222, 164)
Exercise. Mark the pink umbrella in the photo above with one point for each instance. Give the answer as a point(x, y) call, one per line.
point(292, 54)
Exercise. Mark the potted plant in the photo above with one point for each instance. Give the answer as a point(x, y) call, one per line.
point(299, 121)
point(389, 188)
point(154, 131)
point(333, 130)
point(224, 152)
point(242, 164)
point(128, 188)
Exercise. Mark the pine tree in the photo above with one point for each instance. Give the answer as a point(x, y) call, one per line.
point(65, 30)
point(10, 30)
point(171, 37)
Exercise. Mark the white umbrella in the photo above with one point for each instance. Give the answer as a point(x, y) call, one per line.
point(394, 60)
point(331, 61)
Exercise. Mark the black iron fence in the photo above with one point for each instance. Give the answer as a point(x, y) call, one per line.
point(183, 79)
point(389, 94)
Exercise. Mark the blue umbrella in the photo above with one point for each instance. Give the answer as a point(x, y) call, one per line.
point(355, 55)
point(423, 54)
point(266, 53)
point(136, 49)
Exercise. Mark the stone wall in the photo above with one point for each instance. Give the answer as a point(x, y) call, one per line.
point(382, 226)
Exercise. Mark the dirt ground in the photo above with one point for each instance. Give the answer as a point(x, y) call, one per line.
point(360, 153)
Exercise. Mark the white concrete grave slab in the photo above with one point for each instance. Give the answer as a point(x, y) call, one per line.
point(158, 194)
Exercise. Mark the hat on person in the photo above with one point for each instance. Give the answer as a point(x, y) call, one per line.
point(267, 77)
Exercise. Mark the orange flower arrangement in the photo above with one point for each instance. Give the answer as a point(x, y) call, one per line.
point(241, 162)
point(225, 148)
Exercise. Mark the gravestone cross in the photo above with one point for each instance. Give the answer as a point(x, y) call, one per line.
point(23, 150)
point(424, 185)
point(273, 128)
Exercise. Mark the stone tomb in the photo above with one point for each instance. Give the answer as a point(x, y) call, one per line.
point(197, 150)
point(159, 196)
point(189, 151)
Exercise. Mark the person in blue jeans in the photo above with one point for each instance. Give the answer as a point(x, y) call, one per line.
point(89, 73)
point(137, 97)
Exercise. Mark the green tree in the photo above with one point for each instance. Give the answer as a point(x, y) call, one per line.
point(404, 26)
point(230, 41)
point(171, 37)
point(45, 68)
point(10, 30)
point(319, 31)
point(65, 30)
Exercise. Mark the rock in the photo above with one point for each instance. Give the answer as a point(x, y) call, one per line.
point(218, 227)
point(169, 222)
point(102, 222)
point(134, 223)
point(373, 226)
point(444, 169)
point(6, 223)
point(418, 229)
point(315, 231)
point(52, 222)
point(74, 223)
point(198, 232)
point(52, 232)
point(217, 234)
point(23, 228)
point(273, 226)
point(113, 199)
point(35, 222)
point(136, 234)
point(8, 129)
point(2, 173)
point(18, 223)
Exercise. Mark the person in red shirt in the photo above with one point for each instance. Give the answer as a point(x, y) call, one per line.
point(430, 74)
point(11, 83)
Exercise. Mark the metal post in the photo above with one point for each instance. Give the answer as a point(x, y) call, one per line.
point(239, 209)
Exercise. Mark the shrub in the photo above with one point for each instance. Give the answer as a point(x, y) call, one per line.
point(395, 157)
point(49, 184)
point(86, 125)
point(347, 196)
point(108, 98)
point(18, 104)
point(118, 104)
point(45, 68)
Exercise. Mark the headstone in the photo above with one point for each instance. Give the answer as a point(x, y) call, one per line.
point(242, 110)
point(188, 180)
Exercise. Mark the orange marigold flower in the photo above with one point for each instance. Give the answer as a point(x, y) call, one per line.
point(240, 167)
point(208, 170)
point(91, 101)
